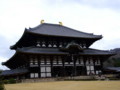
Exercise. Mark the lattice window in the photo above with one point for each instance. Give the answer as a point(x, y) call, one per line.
point(97, 62)
point(36, 61)
point(48, 69)
point(54, 44)
point(66, 63)
point(42, 69)
point(43, 75)
point(45, 71)
point(98, 71)
point(34, 75)
point(78, 60)
point(47, 60)
point(65, 43)
point(31, 61)
point(43, 44)
point(59, 60)
point(50, 44)
point(48, 74)
point(31, 75)
point(42, 61)
point(54, 60)
point(90, 69)
point(80, 45)
point(60, 44)
point(81, 60)
point(72, 57)
point(87, 62)
point(84, 45)
point(71, 62)
point(91, 61)
point(38, 44)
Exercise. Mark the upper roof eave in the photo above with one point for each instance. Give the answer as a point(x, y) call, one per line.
point(77, 34)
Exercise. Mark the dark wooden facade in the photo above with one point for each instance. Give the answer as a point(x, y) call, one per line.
point(45, 51)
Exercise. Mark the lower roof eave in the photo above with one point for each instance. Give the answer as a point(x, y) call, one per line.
point(14, 72)
point(98, 54)
point(46, 53)
point(68, 53)
point(13, 75)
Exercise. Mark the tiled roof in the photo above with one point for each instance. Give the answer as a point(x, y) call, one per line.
point(59, 30)
point(116, 69)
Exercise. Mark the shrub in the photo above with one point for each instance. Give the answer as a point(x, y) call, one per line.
point(9, 81)
point(12, 81)
point(2, 87)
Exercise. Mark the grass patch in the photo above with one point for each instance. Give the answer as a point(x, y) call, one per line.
point(66, 85)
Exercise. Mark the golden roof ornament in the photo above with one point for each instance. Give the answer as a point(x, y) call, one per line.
point(42, 21)
point(60, 23)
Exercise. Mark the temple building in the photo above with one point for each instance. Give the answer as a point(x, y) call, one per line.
point(54, 50)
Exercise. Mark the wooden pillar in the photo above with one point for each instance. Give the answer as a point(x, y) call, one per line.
point(84, 59)
point(74, 62)
point(51, 65)
point(38, 58)
point(63, 63)
point(93, 58)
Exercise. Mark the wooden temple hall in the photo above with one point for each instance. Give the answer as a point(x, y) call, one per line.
point(54, 50)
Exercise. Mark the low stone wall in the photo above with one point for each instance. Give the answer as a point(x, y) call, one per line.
point(79, 78)
point(92, 77)
point(56, 79)
point(38, 80)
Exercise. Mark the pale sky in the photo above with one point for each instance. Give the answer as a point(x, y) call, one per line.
point(101, 17)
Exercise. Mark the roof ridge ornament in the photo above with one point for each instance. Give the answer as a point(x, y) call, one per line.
point(60, 23)
point(42, 21)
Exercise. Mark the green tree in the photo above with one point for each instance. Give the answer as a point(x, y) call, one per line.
point(117, 62)
point(1, 84)
point(0, 71)
point(113, 62)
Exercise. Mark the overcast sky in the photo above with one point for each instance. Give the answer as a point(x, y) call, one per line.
point(101, 17)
